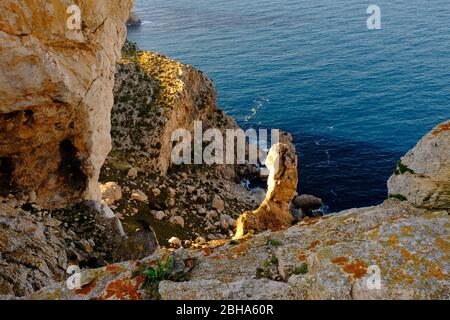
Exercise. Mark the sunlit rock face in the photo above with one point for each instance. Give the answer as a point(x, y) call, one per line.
point(422, 176)
point(56, 96)
point(274, 213)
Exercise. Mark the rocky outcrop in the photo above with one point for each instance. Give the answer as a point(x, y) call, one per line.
point(154, 96)
point(330, 257)
point(392, 251)
point(133, 20)
point(422, 176)
point(275, 211)
point(56, 95)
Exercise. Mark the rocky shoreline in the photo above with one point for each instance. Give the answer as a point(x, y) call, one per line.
point(89, 153)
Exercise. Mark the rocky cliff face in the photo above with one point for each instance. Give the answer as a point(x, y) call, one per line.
point(56, 91)
point(154, 96)
point(391, 251)
point(422, 176)
point(56, 96)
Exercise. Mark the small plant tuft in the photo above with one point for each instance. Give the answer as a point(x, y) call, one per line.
point(398, 196)
point(401, 169)
point(303, 269)
point(273, 243)
point(158, 272)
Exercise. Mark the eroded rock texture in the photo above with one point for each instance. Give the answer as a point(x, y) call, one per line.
point(154, 97)
point(56, 96)
point(274, 213)
point(321, 258)
point(422, 176)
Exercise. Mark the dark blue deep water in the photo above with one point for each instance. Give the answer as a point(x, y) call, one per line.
point(354, 99)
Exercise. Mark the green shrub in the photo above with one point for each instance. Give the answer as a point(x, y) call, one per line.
point(303, 269)
point(401, 168)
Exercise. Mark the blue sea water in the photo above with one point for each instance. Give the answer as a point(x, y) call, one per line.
point(354, 99)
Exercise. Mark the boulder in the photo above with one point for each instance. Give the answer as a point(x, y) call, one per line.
point(139, 195)
point(307, 203)
point(218, 203)
point(177, 220)
point(111, 192)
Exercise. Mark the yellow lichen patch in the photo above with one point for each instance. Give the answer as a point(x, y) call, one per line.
point(166, 71)
point(374, 233)
point(435, 271)
point(240, 249)
point(407, 230)
point(340, 260)
point(444, 245)
point(357, 269)
point(406, 254)
point(393, 241)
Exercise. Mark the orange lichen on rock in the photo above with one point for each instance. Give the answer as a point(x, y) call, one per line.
point(441, 128)
point(207, 251)
point(87, 288)
point(435, 271)
point(240, 249)
point(124, 289)
point(357, 269)
point(114, 268)
point(301, 256)
point(444, 245)
point(314, 244)
point(393, 241)
point(406, 254)
point(340, 260)
point(407, 230)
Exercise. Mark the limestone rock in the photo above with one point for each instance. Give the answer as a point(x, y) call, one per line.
point(227, 222)
point(132, 173)
point(156, 192)
point(159, 215)
point(154, 96)
point(243, 289)
point(174, 241)
point(422, 176)
point(307, 203)
point(321, 258)
point(177, 220)
point(111, 192)
point(274, 212)
point(218, 203)
point(139, 195)
point(133, 20)
point(56, 96)
point(32, 255)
